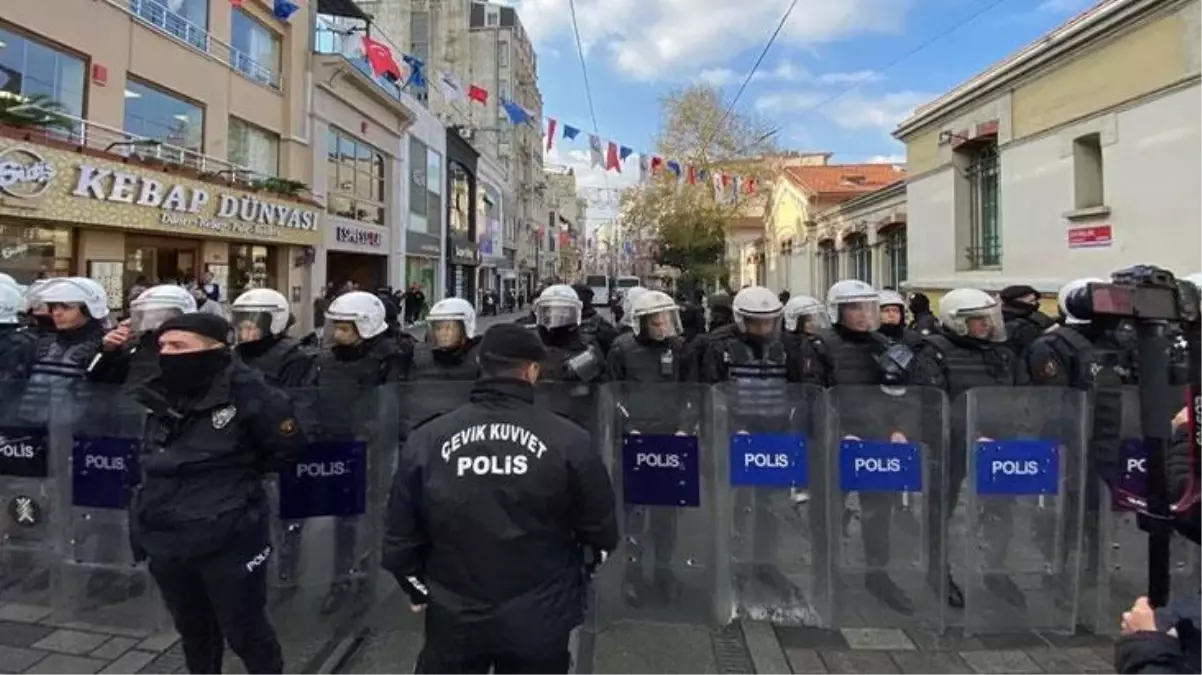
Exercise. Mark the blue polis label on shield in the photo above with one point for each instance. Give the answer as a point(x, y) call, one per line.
point(1021, 467)
point(879, 466)
point(661, 470)
point(330, 479)
point(102, 469)
point(1131, 483)
point(769, 460)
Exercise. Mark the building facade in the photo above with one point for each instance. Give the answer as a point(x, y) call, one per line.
point(462, 190)
point(490, 214)
point(425, 231)
point(183, 147)
point(1075, 157)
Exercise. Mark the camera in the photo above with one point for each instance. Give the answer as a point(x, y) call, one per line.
point(1142, 293)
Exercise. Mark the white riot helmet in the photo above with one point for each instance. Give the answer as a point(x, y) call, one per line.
point(365, 311)
point(7, 280)
point(33, 293)
point(1066, 291)
point(12, 303)
point(157, 304)
point(76, 291)
point(656, 313)
point(852, 301)
point(259, 314)
point(450, 322)
point(811, 312)
point(757, 310)
point(558, 306)
point(628, 299)
point(972, 313)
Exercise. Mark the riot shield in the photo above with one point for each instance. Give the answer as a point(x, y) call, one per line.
point(1022, 537)
point(771, 519)
point(329, 517)
point(1118, 548)
point(30, 488)
point(885, 506)
point(98, 580)
point(575, 400)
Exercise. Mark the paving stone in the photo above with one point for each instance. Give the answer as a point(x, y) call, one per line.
point(113, 648)
point(1052, 660)
point(879, 639)
point(804, 637)
point(17, 634)
point(765, 649)
point(66, 664)
point(17, 659)
point(1012, 641)
point(858, 662)
point(99, 628)
point(804, 661)
point(70, 641)
point(953, 640)
point(170, 661)
point(930, 662)
point(1091, 660)
point(11, 611)
point(1082, 638)
point(999, 661)
point(159, 642)
point(130, 662)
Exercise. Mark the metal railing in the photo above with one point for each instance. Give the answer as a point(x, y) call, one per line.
point(161, 18)
point(345, 41)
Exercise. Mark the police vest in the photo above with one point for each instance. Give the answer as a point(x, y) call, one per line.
point(659, 362)
point(966, 368)
point(458, 365)
point(847, 362)
point(55, 376)
point(273, 362)
point(760, 385)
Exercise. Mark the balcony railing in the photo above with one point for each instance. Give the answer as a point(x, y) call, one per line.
point(345, 42)
point(161, 18)
point(84, 133)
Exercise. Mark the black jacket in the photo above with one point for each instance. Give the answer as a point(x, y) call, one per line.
point(283, 361)
point(492, 508)
point(203, 462)
point(1156, 651)
point(133, 363)
point(1024, 325)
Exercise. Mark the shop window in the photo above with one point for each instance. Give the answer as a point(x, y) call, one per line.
point(29, 67)
point(28, 253)
point(433, 193)
point(152, 113)
point(355, 179)
point(252, 267)
point(255, 49)
point(253, 148)
point(460, 201)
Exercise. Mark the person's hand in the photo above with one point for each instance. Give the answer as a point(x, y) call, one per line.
point(849, 437)
point(116, 338)
point(1181, 418)
point(1139, 619)
point(898, 437)
point(984, 439)
point(681, 433)
point(417, 609)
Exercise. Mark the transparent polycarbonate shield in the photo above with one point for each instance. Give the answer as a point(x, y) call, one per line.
point(664, 570)
point(769, 457)
point(425, 400)
point(575, 400)
point(99, 581)
point(1025, 469)
point(887, 447)
point(1119, 548)
point(331, 504)
point(31, 528)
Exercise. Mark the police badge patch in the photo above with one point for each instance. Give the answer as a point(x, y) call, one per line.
point(223, 416)
point(24, 511)
point(288, 428)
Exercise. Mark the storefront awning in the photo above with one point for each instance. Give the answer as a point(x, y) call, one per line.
point(344, 8)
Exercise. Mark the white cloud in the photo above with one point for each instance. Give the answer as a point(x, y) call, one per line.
point(856, 111)
point(598, 186)
point(1063, 6)
point(657, 40)
point(789, 102)
point(886, 159)
point(717, 77)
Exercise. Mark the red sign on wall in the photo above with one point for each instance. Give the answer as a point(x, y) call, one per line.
point(1093, 236)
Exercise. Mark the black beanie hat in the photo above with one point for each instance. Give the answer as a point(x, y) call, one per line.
point(201, 323)
point(511, 342)
point(1012, 293)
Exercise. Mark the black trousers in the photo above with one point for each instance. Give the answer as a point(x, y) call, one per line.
point(221, 598)
point(554, 658)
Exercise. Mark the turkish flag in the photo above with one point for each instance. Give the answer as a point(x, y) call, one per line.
point(479, 94)
point(379, 57)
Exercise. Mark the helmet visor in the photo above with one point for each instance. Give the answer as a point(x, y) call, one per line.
point(659, 325)
point(551, 316)
point(250, 325)
point(445, 333)
point(145, 320)
point(862, 316)
point(762, 324)
point(339, 332)
point(981, 323)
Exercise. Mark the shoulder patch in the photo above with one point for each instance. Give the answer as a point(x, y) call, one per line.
point(287, 428)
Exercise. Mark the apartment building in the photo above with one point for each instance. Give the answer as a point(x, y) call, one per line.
point(177, 144)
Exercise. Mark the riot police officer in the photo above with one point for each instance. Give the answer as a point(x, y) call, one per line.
point(805, 318)
point(1025, 322)
point(261, 319)
point(573, 358)
point(893, 320)
point(16, 342)
point(1069, 355)
point(969, 350)
point(37, 314)
point(500, 575)
point(200, 511)
point(625, 324)
point(131, 350)
point(922, 321)
point(451, 345)
point(591, 321)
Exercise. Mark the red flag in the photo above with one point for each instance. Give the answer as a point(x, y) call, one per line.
point(750, 185)
point(551, 124)
point(725, 180)
point(657, 163)
point(379, 57)
point(611, 158)
point(478, 94)
point(237, 3)
point(691, 174)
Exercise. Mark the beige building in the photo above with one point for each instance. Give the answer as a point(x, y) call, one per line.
point(184, 126)
point(1079, 155)
point(560, 253)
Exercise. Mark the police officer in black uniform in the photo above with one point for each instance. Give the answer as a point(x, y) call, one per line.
point(922, 320)
point(970, 350)
point(591, 321)
point(721, 324)
point(498, 511)
point(451, 346)
point(893, 320)
point(261, 319)
point(200, 512)
point(1025, 322)
point(16, 341)
point(131, 350)
point(574, 359)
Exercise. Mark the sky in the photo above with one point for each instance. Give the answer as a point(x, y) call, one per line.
point(838, 78)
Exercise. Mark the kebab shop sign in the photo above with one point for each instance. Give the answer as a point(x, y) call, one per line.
point(191, 207)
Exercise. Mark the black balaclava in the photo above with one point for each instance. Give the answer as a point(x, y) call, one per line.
point(920, 304)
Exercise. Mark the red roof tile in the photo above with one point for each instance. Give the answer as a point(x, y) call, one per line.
point(844, 179)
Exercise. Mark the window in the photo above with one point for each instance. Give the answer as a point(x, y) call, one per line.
point(503, 53)
point(254, 148)
point(153, 113)
point(354, 178)
point(829, 259)
point(256, 49)
point(895, 255)
point(985, 249)
point(859, 256)
point(186, 20)
point(419, 36)
point(460, 198)
point(418, 179)
point(491, 18)
point(433, 192)
point(1087, 172)
point(31, 68)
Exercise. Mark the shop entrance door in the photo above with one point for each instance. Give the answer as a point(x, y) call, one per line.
point(152, 260)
